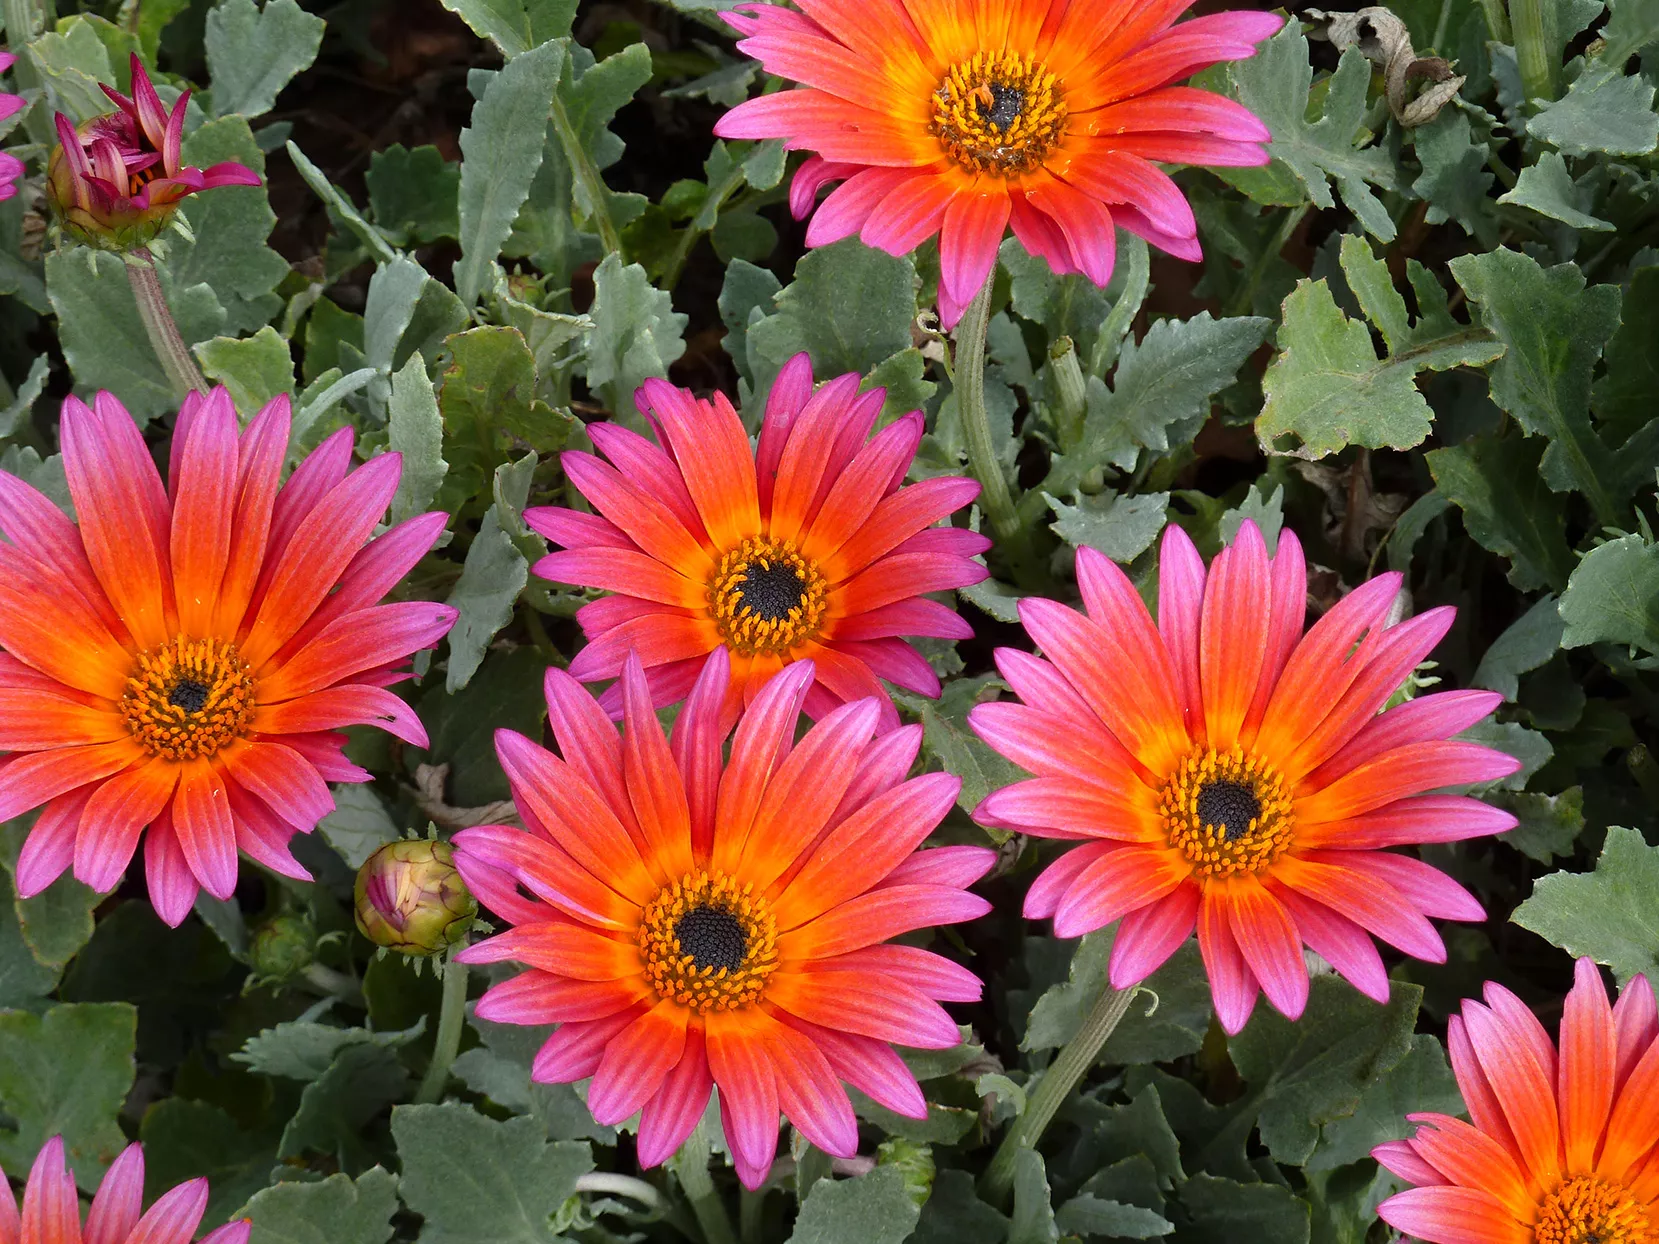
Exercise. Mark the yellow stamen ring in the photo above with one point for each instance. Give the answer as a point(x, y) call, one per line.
point(766, 598)
point(709, 943)
point(999, 113)
point(1587, 1210)
point(188, 698)
point(1227, 812)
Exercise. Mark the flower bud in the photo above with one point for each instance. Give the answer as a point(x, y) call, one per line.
point(115, 182)
point(914, 1162)
point(410, 898)
point(283, 947)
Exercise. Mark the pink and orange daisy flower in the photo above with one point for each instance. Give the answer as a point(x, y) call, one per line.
point(183, 657)
point(1219, 769)
point(963, 117)
point(52, 1208)
point(808, 546)
point(1563, 1147)
point(697, 924)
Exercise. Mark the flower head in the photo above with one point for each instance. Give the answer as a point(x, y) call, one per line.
point(116, 181)
point(808, 546)
point(1562, 1145)
point(1221, 769)
point(695, 925)
point(410, 898)
point(183, 657)
point(963, 119)
point(52, 1209)
point(11, 168)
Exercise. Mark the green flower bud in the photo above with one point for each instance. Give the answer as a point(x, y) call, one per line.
point(283, 947)
point(411, 899)
point(914, 1161)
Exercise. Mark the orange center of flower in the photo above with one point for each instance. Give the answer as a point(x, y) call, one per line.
point(1587, 1210)
point(709, 943)
point(999, 113)
point(1227, 812)
point(188, 698)
point(766, 598)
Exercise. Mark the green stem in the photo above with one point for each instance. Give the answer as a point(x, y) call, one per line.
point(698, 1186)
point(330, 982)
point(750, 1208)
point(452, 1016)
point(171, 351)
point(1072, 394)
point(1540, 65)
point(1497, 20)
point(695, 230)
point(1072, 1063)
point(587, 177)
point(1124, 310)
point(969, 375)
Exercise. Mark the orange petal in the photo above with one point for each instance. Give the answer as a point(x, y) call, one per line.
point(205, 488)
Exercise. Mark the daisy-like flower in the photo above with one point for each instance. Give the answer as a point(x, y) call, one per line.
point(807, 546)
point(11, 168)
point(1564, 1146)
point(697, 925)
point(52, 1208)
point(962, 117)
point(117, 180)
point(183, 658)
point(1221, 769)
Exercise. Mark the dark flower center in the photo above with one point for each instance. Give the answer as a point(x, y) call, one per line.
point(771, 590)
point(189, 695)
point(1229, 806)
point(1004, 107)
point(713, 937)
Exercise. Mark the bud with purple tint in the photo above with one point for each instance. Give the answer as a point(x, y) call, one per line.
point(411, 899)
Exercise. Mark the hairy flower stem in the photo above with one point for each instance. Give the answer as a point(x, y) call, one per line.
point(452, 1015)
point(1072, 1063)
point(692, 1166)
point(1540, 65)
point(171, 351)
point(588, 179)
point(1497, 20)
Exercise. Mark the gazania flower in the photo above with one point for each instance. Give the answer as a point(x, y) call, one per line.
point(1221, 769)
point(1562, 1149)
point(183, 658)
point(11, 168)
point(960, 119)
point(116, 181)
point(695, 925)
point(52, 1208)
point(805, 547)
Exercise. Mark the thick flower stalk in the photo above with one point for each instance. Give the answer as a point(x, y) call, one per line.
point(960, 120)
point(115, 181)
point(1563, 1145)
point(1220, 769)
point(410, 898)
point(695, 923)
point(51, 1211)
point(808, 546)
point(11, 168)
point(183, 656)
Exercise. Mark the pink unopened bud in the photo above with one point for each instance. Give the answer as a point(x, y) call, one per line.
point(410, 898)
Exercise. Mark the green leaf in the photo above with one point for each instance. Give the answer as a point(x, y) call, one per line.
point(255, 369)
point(416, 430)
point(414, 194)
point(490, 381)
point(1548, 189)
point(505, 694)
point(1307, 1075)
point(1530, 640)
point(1033, 1221)
point(55, 923)
point(475, 1179)
point(1507, 506)
point(1089, 1215)
point(1611, 914)
point(335, 1108)
point(1632, 27)
point(1065, 306)
point(1602, 111)
point(515, 26)
point(334, 1211)
point(304, 1050)
point(493, 575)
point(67, 1073)
point(500, 1070)
point(147, 19)
point(72, 61)
point(1061, 1009)
point(1455, 180)
point(342, 205)
point(1548, 825)
point(359, 824)
point(103, 338)
point(1267, 512)
point(1421, 1081)
point(872, 1209)
point(636, 333)
point(1275, 84)
point(954, 1214)
point(24, 980)
point(1169, 1016)
point(1613, 597)
point(501, 151)
point(252, 53)
point(746, 295)
point(186, 1139)
point(1220, 1211)
point(1170, 378)
point(955, 747)
point(230, 228)
point(1121, 527)
point(1623, 397)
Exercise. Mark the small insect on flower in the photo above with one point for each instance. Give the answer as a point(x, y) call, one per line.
point(410, 898)
point(693, 923)
point(1563, 1145)
point(52, 1210)
point(1221, 769)
point(184, 656)
point(960, 120)
point(115, 181)
point(810, 546)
